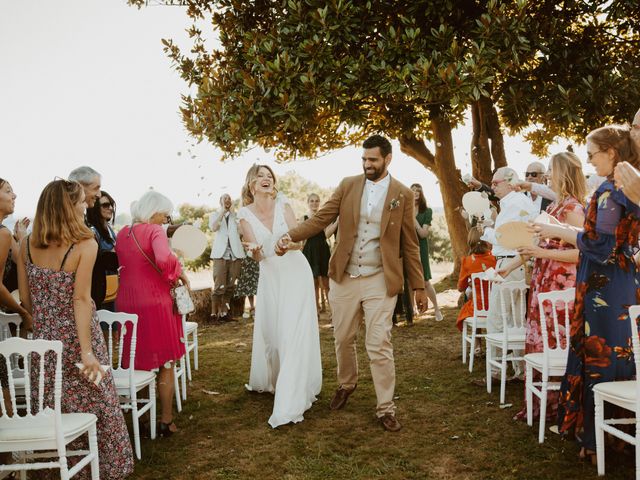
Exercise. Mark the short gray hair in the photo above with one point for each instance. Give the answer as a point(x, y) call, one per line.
point(84, 175)
point(508, 174)
point(150, 203)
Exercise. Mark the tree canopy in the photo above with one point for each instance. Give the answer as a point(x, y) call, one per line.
point(307, 76)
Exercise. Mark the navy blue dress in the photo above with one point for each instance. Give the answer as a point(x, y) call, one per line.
point(607, 283)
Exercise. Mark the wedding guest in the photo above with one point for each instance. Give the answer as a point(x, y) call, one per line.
point(479, 260)
point(101, 218)
point(423, 219)
point(555, 263)
point(9, 253)
point(54, 273)
point(317, 251)
point(606, 284)
point(536, 175)
point(514, 206)
point(226, 253)
point(105, 260)
point(248, 283)
point(148, 271)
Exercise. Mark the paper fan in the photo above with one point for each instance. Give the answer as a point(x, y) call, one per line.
point(514, 235)
point(190, 241)
point(475, 203)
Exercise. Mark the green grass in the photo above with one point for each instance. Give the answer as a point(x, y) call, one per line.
point(452, 429)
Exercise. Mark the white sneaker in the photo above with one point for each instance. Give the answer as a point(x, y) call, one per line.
point(439, 316)
point(246, 315)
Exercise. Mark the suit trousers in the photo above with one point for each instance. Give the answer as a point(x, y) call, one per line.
point(225, 275)
point(351, 300)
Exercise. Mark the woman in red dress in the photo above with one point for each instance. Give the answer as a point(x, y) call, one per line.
point(143, 249)
point(555, 262)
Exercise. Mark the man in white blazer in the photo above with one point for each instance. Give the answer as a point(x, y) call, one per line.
point(226, 253)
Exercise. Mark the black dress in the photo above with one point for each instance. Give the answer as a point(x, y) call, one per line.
point(317, 252)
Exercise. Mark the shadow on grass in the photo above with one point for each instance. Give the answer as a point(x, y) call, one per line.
point(452, 429)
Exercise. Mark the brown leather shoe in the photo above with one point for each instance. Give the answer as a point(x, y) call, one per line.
point(339, 399)
point(390, 422)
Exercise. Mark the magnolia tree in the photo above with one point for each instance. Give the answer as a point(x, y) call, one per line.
point(306, 76)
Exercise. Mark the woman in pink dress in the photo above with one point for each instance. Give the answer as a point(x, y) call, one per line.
point(54, 274)
point(555, 262)
point(148, 271)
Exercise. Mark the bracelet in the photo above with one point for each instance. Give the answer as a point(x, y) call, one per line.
point(89, 354)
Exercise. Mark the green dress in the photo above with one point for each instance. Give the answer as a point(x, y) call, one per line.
point(425, 218)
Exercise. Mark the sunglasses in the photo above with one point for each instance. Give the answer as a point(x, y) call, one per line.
point(106, 205)
point(534, 174)
point(590, 155)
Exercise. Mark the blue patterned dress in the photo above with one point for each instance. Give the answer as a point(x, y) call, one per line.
point(607, 283)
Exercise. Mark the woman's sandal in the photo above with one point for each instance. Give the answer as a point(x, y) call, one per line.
point(588, 456)
point(167, 429)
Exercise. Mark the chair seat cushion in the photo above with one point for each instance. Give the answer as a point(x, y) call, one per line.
point(191, 327)
point(42, 426)
point(140, 377)
point(537, 359)
point(625, 389)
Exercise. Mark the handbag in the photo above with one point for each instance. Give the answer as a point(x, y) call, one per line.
point(182, 301)
point(112, 283)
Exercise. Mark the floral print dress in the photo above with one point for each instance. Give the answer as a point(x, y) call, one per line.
point(607, 284)
point(53, 319)
point(549, 275)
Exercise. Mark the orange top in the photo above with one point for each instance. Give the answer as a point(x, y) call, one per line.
point(475, 263)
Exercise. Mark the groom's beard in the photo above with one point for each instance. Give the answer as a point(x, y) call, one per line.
point(373, 173)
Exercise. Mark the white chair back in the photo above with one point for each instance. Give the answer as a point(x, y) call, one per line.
point(6, 320)
point(123, 322)
point(513, 302)
point(33, 352)
point(634, 313)
point(480, 292)
point(561, 326)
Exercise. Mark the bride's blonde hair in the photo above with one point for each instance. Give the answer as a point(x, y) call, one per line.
point(248, 188)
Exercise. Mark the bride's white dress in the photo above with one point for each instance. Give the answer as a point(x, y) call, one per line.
point(285, 358)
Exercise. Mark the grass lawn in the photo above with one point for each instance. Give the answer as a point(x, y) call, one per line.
point(452, 429)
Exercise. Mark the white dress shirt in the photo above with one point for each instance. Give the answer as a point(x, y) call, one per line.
point(514, 207)
point(544, 191)
point(376, 191)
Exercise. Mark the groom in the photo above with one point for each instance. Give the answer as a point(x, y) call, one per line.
point(376, 246)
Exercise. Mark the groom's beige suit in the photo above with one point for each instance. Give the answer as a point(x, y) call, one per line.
point(376, 247)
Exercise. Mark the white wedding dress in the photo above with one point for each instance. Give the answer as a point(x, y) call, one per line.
point(285, 358)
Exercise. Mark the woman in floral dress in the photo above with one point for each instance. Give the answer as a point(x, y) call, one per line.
point(606, 284)
point(555, 263)
point(54, 274)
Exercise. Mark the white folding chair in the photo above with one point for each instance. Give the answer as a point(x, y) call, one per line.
point(6, 321)
point(625, 394)
point(180, 381)
point(551, 362)
point(128, 380)
point(190, 328)
point(42, 432)
point(480, 291)
point(512, 296)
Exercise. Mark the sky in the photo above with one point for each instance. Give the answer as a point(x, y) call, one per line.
point(85, 82)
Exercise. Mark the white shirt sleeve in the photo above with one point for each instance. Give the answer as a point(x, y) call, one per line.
point(544, 191)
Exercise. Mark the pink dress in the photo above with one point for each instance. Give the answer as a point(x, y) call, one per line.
point(549, 275)
point(146, 292)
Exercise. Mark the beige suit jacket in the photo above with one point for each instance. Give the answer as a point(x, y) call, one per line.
point(398, 239)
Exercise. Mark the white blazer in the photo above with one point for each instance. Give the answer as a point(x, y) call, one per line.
point(226, 234)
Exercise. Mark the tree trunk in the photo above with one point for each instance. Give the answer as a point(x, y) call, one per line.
point(442, 164)
point(487, 143)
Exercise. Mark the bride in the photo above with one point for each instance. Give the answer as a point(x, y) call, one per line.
point(285, 358)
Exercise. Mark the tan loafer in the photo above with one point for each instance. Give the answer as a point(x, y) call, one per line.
point(339, 399)
point(390, 423)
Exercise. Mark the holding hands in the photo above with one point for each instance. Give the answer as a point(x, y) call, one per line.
point(282, 246)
